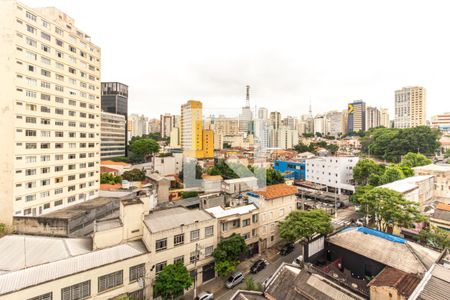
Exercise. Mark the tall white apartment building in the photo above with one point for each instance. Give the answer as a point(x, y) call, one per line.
point(50, 117)
point(167, 122)
point(410, 107)
point(384, 118)
point(319, 124)
point(334, 123)
point(137, 125)
point(113, 139)
point(336, 173)
point(287, 138)
point(373, 117)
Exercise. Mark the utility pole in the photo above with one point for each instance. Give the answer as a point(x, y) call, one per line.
point(197, 255)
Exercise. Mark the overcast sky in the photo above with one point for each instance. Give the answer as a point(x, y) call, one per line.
point(289, 52)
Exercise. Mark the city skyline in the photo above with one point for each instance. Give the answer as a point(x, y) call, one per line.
point(357, 58)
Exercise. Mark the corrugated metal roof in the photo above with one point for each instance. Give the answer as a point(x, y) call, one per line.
point(438, 286)
point(17, 280)
point(22, 251)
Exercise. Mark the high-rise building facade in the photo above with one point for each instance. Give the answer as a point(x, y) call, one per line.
point(319, 124)
point(441, 122)
point(115, 100)
point(357, 116)
point(196, 142)
point(137, 125)
point(410, 107)
point(263, 113)
point(384, 118)
point(113, 141)
point(334, 124)
point(373, 117)
point(167, 122)
point(275, 118)
point(50, 83)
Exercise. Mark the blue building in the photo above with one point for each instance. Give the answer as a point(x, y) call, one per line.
point(290, 169)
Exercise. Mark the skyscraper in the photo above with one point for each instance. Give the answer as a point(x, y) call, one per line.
point(50, 83)
point(275, 118)
point(357, 116)
point(373, 117)
point(410, 107)
point(245, 117)
point(196, 142)
point(384, 118)
point(115, 100)
point(167, 122)
point(113, 132)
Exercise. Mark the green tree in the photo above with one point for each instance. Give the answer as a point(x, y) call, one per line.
point(413, 160)
point(121, 159)
point(301, 224)
point(364, 169)
point(392, 173)
point(300, 148)
point(109, 178)
point(171, 282)
point(390, 209)
point(251, 285)
point(447, 153)
point(134, 175)
point(435, 237)
point(332, 148)
point(273, 177)
point(308, 135)
point(3, 229)
point(144, 147)
point(227, 254)
point(358, 196)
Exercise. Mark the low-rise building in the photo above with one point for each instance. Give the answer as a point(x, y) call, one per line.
point(441, 216)
point(419, 189)
point(241, 220)
point(239, 185)
point(181, 235)
point(275, 202)
point(336, 173)
point(441, 175)
point(290, 169)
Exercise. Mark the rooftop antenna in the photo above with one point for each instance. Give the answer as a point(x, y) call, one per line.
point(310, 107)
point(247, 98)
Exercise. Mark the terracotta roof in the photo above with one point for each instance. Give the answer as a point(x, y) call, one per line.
point(277, 191)
point(404, 283)
point(114, 163)
point(443, 206)
point(104, 169)
point(110, 187)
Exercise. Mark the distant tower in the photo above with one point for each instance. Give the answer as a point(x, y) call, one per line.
point(247, 97)
point(310, 108)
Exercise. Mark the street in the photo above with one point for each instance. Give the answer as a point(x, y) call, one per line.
point(225, 294)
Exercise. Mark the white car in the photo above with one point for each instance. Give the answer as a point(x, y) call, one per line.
point(205, 296)
point(298, 262)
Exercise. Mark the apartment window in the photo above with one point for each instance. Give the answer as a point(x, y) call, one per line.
point(59, 65)
point(59, 43)
point(209, 231)
point(45, 182)
point(59, 54)
point(59, 100)
point(30, 159)
point(59, 111)
point(31, 107)
point(45, 60)
point(71, 177)
point(45, 145)
point(59, 77)
point(45, 73)
point(31, 29)
point(208, 251)
point(59, 157)
point(58, 191)
point(30, 146)
point(255, 218)
point(30, 94)
point(45, 84)
point(160, 266)
point(246, 236)
point(45, 36)
point(30, 184)
point(31, 16)
point(59, 31)
point(30, 132)
point(253, 232)
point(71, 188)
point(31, 42)
point(30, 68)
point(179, 259)
point(73, 49)
point(161, 245)
point(45, 24)
point(58, 203)
point(110, 281)
point(45, 109)
point(76, 291)
point(178, 239)
point(48, 296)
point(45, 170)
point(59, 88)
point(45, 194)
point(46, 205)
point(45, 97)
point(45, 48)
point(45, 157)
point(30, 198)
point(31, 81)
point(137, 272)
point(193, 257)
point(45, 121)
point(59, 168)
point(245, 222)
point(71, 199)
point(72, 70)
point(195, 235)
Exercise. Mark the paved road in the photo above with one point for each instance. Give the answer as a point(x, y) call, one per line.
point(226, 294)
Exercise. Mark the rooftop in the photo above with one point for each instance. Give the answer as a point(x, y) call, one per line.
point(220, 212)
point(443, 206)
point(80, 209)
point(175, 217)
point(434, 168)
point(24, 251)
point(46, 272)
point(277, 191)
point(114, 163)
point(243, 179)
point(407, 184)
point(387, 249)
point(437, 286)
point(404, 283)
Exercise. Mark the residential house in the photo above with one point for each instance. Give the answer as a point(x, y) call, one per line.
point(441, 175)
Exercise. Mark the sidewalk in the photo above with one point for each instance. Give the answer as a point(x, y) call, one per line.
point(217, 285)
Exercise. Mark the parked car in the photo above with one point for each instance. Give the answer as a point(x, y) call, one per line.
point(258, 266)
point(234, 279)
point(288, 248)
point(205, 296)
point(298, 262)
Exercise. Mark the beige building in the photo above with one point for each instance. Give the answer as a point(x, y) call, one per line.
point(373, 117)
point(441, 175)
point(410, 107)
point(113, 139)
point(181, 235)
point(419, 189)
point(441, 122)
point(50, 120)
point(167, 122)
point(384, 118)
point(275, 202)
point(240, 220)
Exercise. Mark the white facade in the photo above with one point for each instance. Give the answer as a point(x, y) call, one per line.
point(167, 122)
point(50, 120)
point(410, 107)
point(319, 124)
point(373, 117)
point(334, 172)
point(287, 138)
point(113, 141)
point(384, 118)
point(334, 123)
point(137, 125)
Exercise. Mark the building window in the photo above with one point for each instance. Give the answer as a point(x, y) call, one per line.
point(48, 296)
point(110, 281)
point(193, 257)
point(137, 272)
point(246, 236)
point(195, 235)
point(160, 266)
point(208, 251)
point(209, 231)
point(179, 259)
point(255, 218)
point(178, 239)
point(76, 291)
point(245, 222)
point(161, 245)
